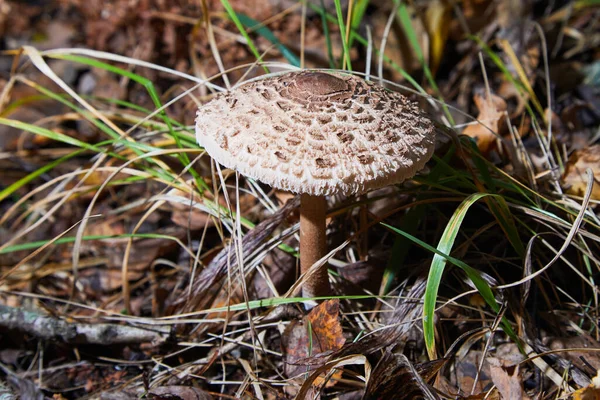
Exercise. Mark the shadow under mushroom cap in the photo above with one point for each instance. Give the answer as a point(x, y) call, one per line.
point(318, 133)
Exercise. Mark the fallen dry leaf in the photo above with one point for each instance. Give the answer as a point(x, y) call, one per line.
point(299, 347)
point(491, 115)
point(507, 379)
point(326, 327)
point(363, 275)
point(575, 177)
point(469, 374)
point(587, 393)
point(437, 21)
point(508, 91)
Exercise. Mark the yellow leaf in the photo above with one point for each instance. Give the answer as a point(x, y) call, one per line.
point(437, 22)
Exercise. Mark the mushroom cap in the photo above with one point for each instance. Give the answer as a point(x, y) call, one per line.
point(316, 132)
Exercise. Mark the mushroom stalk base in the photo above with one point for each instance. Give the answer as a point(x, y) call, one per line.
point(313, 244)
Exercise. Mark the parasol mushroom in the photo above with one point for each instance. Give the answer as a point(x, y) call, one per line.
point(316, 133)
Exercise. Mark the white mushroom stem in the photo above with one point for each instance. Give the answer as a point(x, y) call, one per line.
point(313, 244)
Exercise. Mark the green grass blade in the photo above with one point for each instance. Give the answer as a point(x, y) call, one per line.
point(145, 82)
point(10, 189)
point(360, 7)
point(409, 224)
point(437, 269)
point(69, 239)
point(482, 287)
point(234, 17)
point(62, 138)
point(63, 99)
point(355, 36)
point(183, 132)
point(327, 34)
point(507, 74)
point(149, 86)
point(342, 26)
point(406, 23)
point(265, 32)
point(56, 136)
point(497, 204)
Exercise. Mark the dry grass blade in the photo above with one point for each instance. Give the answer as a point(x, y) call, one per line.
point(395, 374)
point(335, 363)
point(217, 269)
point(571, 235)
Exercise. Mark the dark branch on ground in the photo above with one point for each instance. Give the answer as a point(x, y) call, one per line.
point(47, 327)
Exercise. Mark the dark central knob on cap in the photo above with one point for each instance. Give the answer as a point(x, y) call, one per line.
point(320, 83)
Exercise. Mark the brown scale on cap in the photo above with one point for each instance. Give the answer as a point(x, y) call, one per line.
point(301, 119)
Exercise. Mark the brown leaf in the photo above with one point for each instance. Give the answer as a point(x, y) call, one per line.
point(507, 379)
point(491, 115)
point(437, 21)
point(296, 347)
point(118, 395)
point(110, 227)
point(299, 346)
point(575, 177)
point(467, 370)
point(326, 327)
point(363, 275)
point(509, 91)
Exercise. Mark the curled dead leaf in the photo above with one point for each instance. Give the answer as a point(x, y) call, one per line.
point(318, 334)
point(574, 178)
point(507, 379)
point(491, 117)
point(437, 21)
point(509, 91)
